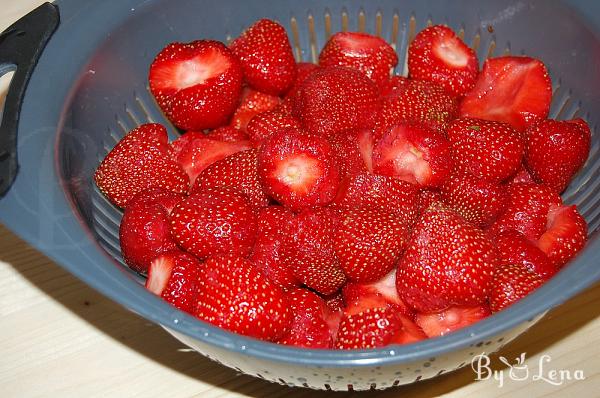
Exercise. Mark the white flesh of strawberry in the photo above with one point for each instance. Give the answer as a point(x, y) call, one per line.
point(159, 273)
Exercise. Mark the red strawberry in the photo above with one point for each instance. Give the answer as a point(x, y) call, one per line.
point(174, 276)
point(451, 319)
point(138, 162)
point(514, 90)
point(271, 236)
point(521, 177)
point(415, 101)
point(556, 151)
point(514, 248)
point(353, 151)
point(478, 201)
point(371, 191)
point(197, 85)
point(214, 221)
point(448, 262)
point(376, 327)
point(236, 171)
point(266, 56)
point(565, 235)
point(361, 51)
point(369, 243)
point(253, 103)
point(527, 210)
point(436, 54)
point(413, 154)
point(144, 231)
point(264, 125)
point(297, 169)
point(511, 283)
point(488, 150)
point(427, 197)
point(227, 134)
point(235, 296)
point(335, 99)
point(310, 327)
point(195, 151)
point(310, 252)
point(335, 302)
point(303, 69)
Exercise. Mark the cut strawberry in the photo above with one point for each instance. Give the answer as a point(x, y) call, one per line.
point(413, 154)
point(197, 85)
point(451, 319)
point(511, 283)
point(565, 235)
point(138, 162)
point(436, 54)
point(297, 169)
point(253, 103)
point(515, 248)
point(264, 125)
point(174, 276)
point(361, 51)
point(353, 151)
point(514, 90)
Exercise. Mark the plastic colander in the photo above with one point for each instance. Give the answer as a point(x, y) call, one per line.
point(86, 65)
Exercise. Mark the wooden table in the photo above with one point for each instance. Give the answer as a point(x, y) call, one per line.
point(60, 338)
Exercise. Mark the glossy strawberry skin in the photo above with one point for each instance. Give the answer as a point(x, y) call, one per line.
point(515, 248)
point(193, 101)
point(353, 150)
point(565, 235)
point(511, 283)
point(266, 57)
point(138, 162)
point(227, 134)
point(264, 125)
point(451, 319)
point(235, 296)
point(253, 103)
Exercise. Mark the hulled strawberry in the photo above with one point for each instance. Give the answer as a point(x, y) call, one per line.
point(556, 151)
point(361, 51)
point(264, 125)
point(515, 248)
point(353, 151)
point(565, 234)
point(138, 162)
point(414, 154)
point(448, 262)
point(214, 221)
point(253, 103)
point(513, 90)
point(298, 169)
point(511, 283)
point(197, 85)
point(436, 54)
point(234, 295)
point(451, 319)
point(266, 57)
point(174, 276)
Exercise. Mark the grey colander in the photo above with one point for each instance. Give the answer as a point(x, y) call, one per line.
point(88, 88)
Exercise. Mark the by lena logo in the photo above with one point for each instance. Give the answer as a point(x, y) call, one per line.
point(519, 371)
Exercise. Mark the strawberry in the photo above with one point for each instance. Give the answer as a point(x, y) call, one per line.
point(267, 253)
point(138, 162)
point(513, 90)
point(436, 54)
point(451, 319)
point(310, 327)
point(253, 103)
point(376, 327)
point(521, 177)
point(485, 149)
point(371, 191)
point(264, 125)
point(195, 151)
point(303, 69)
point(556, 151)
point(448, 262)
point(415, 101)
point(427, 197)
point(414, 154)
point(335, 302)
point(227, 134)
point(335, 99)
point(214, 221)
point(174, 276)
point(310, 252)
point(236, 171)
point(527, 210)
point(514, 248)
point(478, 201)
point(353, 151)
point(565, 235)
point(235, 296)
point(511, 283)
point(297, 169)
point(369, 243)
point(144, 230)
point(266, 56)
point(361, 51)
point(197, 85)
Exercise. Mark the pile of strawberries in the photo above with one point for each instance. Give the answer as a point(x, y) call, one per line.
point(334, 206)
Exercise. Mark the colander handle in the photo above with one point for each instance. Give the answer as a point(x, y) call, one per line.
point(20, 48)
